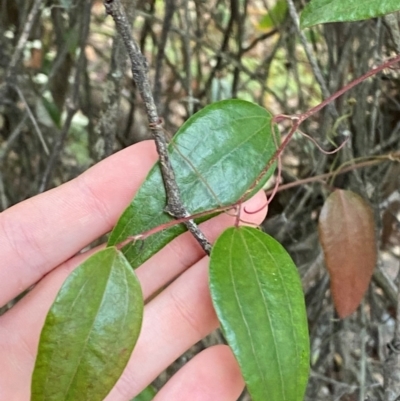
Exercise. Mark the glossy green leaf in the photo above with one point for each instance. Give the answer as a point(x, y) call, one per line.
point(257, 294)
point(90, 331)
point(322, 11)
point(217, 155)
point(146, 395)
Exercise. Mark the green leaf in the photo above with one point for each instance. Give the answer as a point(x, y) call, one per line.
point(146, 395)
point(322, 11)
point(217, 155)
point(90, 331)
point(257, 294)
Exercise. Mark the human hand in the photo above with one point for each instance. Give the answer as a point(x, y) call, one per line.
point(39, 245)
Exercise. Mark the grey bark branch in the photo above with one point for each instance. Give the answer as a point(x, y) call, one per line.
point(139, 72)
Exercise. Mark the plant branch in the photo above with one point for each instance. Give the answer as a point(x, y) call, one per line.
point(318, 178)
point(33, 120)
point(297, 120)
point(170, 7)
point(73, 98)
point(28, 25)
point(139, 72)
point(338, 171)
point(313, 62)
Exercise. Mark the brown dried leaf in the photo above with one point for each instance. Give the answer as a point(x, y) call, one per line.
point(347, 234)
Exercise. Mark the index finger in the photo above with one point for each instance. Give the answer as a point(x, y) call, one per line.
point(44, 231)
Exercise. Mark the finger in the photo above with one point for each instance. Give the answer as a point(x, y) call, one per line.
point(46, 230)
point(211, 375)
point(173, 321)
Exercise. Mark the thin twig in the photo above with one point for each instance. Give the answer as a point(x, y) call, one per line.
point(224, 48)
point(313, 62)
point(10, 79)
point(7, 146)
point(139, 72)
point(16, 57)
point(170, 7)
point(224, 55)
point(188, 58)
point(259, 39)
point(332, 174)
point(72, 101)
point(33, 120)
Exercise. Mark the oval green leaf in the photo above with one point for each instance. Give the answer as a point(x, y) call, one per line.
point(257, 294)
point(323, 11)
point(347, 233)
point(90, 331)
point(217, 155)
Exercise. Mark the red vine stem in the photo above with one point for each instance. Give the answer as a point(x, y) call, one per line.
point(297, 120)
point(321, 178)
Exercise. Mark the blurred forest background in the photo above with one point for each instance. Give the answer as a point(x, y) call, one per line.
point(67, 100)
